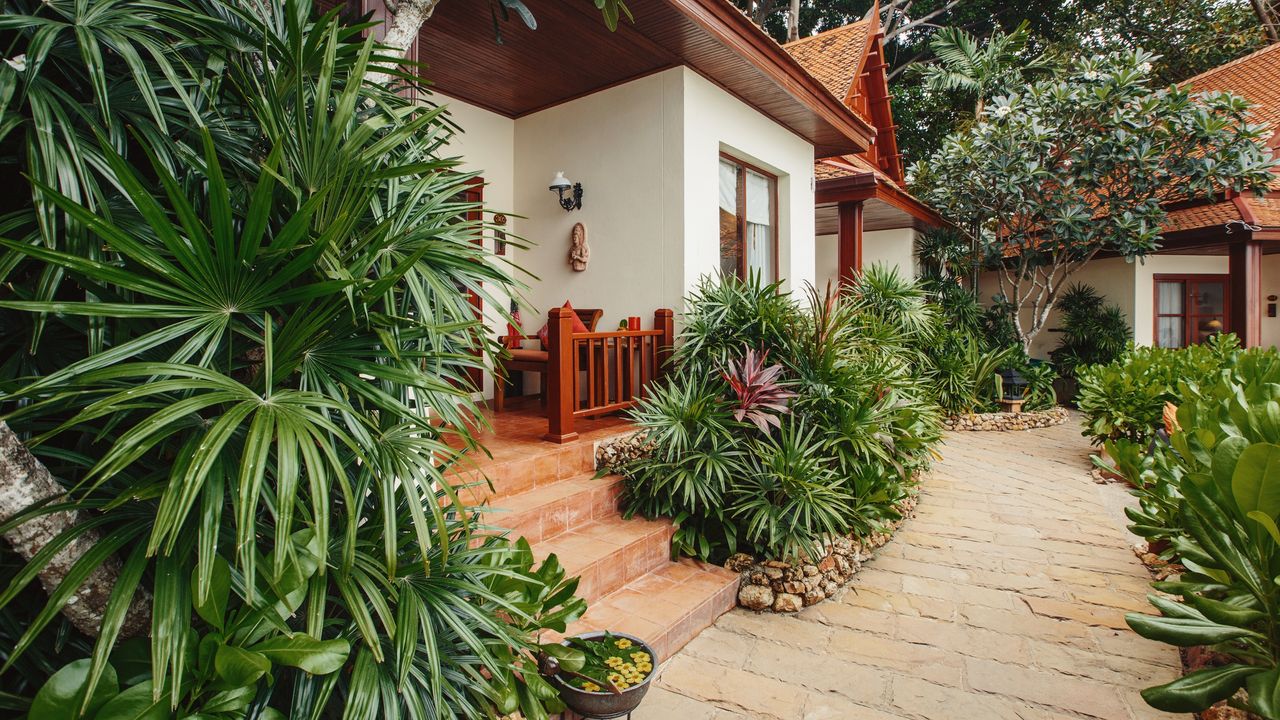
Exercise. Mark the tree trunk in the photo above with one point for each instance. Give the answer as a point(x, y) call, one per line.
point(793, 21)
point(24, 481)
point(1268, 12)
point(404, 22)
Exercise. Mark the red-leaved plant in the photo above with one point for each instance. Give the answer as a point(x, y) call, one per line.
point(758, 390)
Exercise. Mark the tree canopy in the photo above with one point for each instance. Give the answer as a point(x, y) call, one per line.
point(1186, 37)
point(1061, 169)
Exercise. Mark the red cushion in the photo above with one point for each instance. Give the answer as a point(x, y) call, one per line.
point(545, 332)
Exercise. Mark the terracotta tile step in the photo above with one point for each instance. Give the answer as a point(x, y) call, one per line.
point(667, 607)
point(540, 464)
point(545, 512)
point(609, 552)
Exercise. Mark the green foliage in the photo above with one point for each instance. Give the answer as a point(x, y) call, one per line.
point(842, 455)
point(235, 292)
point(964, 372)
point(1093, 332)
point(1220, 478)
point(1125, 399)
point(1036, 177)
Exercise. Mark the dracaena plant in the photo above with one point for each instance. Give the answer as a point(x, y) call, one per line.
point(758, 391)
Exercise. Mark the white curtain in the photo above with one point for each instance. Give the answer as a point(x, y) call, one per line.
point(759, 221)
point(728, 187)
point(1170, 331)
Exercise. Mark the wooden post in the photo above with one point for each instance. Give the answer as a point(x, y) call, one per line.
point(1245, 263)
point(664, 320)
point(849, 236)
point(561, 378)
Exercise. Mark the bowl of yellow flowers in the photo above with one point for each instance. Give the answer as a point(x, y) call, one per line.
point(603, 675)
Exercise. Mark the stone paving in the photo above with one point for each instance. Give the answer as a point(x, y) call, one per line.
point(1003, 598)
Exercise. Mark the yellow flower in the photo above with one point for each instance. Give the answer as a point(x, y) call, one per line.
point(615, 678)
point(613, 661)
point(622, 685)
point(622, 643)
point(644, 667)
point(591, 687)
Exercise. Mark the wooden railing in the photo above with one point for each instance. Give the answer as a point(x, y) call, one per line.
point(595, 373)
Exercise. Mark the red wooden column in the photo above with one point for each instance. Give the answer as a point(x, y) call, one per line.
point(664, 320)
point(561, 376)
point(1246, 291)
point(850, 239)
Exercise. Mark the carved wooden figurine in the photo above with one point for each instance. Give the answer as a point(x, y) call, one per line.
point(579, 253)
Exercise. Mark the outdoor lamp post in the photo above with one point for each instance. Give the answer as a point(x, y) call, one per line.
point(559, 184)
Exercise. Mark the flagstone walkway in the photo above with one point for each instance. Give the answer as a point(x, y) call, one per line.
point(1003, 598)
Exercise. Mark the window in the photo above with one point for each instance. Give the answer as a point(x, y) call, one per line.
point(1190, 308)
point(748, 221)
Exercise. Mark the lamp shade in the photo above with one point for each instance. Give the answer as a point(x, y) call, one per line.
point(560, 182)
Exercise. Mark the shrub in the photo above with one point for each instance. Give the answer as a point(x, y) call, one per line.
point(1125, 399)
point(841, 424)
point(1093, 332)
point(1219, 505)
point(220, 331)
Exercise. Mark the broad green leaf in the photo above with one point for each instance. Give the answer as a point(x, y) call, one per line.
point(63, 694)
point(1255, 484)
point(212, 607)
point(318, 657)
point(1198, 690)
point(135, 703)
point(240, 667)
point(1185, 632)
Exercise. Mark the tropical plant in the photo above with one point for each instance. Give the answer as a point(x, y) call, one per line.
point(1034, 183)
point(238, 340)
point(1039, 394)
point(978, 70)
point(757, 390)
point(857, 426)
point(1221, 462)
point(1093, 332)
point(1125, 399)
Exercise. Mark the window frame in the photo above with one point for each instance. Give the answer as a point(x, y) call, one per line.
point(741, 226)
point(1188, 280)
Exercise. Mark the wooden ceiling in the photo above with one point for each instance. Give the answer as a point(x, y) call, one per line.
point(876, 215)
point(572, 53)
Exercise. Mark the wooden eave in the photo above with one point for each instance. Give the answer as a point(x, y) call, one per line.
point(866, 186)
point(572, 54)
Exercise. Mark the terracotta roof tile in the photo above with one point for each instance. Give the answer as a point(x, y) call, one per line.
point(1200, 216)
point(1255, 76)
point(1265, 211)
point(833, 57)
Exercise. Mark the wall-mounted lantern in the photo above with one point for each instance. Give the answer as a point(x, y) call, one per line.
point(560, 184)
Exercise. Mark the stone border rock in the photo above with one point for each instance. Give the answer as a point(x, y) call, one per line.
point(616, 452)
point(1005, 422)
point(783, 587)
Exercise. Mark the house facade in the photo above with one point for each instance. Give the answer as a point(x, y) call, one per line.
point(692, 133)
point(1218, 268)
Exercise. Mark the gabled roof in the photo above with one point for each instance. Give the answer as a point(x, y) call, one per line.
point(835, 57)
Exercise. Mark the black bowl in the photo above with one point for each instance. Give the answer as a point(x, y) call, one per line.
point(606, 705)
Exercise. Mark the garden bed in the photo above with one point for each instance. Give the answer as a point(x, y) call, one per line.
point(786, 587)
point(1006, 421)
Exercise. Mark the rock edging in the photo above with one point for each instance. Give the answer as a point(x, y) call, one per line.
point(786, 587)
point(1005, 421)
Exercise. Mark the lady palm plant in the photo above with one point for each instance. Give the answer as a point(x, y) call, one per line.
point(257, 331)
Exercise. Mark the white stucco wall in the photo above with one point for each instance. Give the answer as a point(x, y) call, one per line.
point(647, 154)
point(715, 122)
point(1270, 286)
point(624, 145)
point(486, 144)
point(888, 247)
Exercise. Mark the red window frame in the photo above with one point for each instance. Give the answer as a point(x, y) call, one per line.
point(1189, 281)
